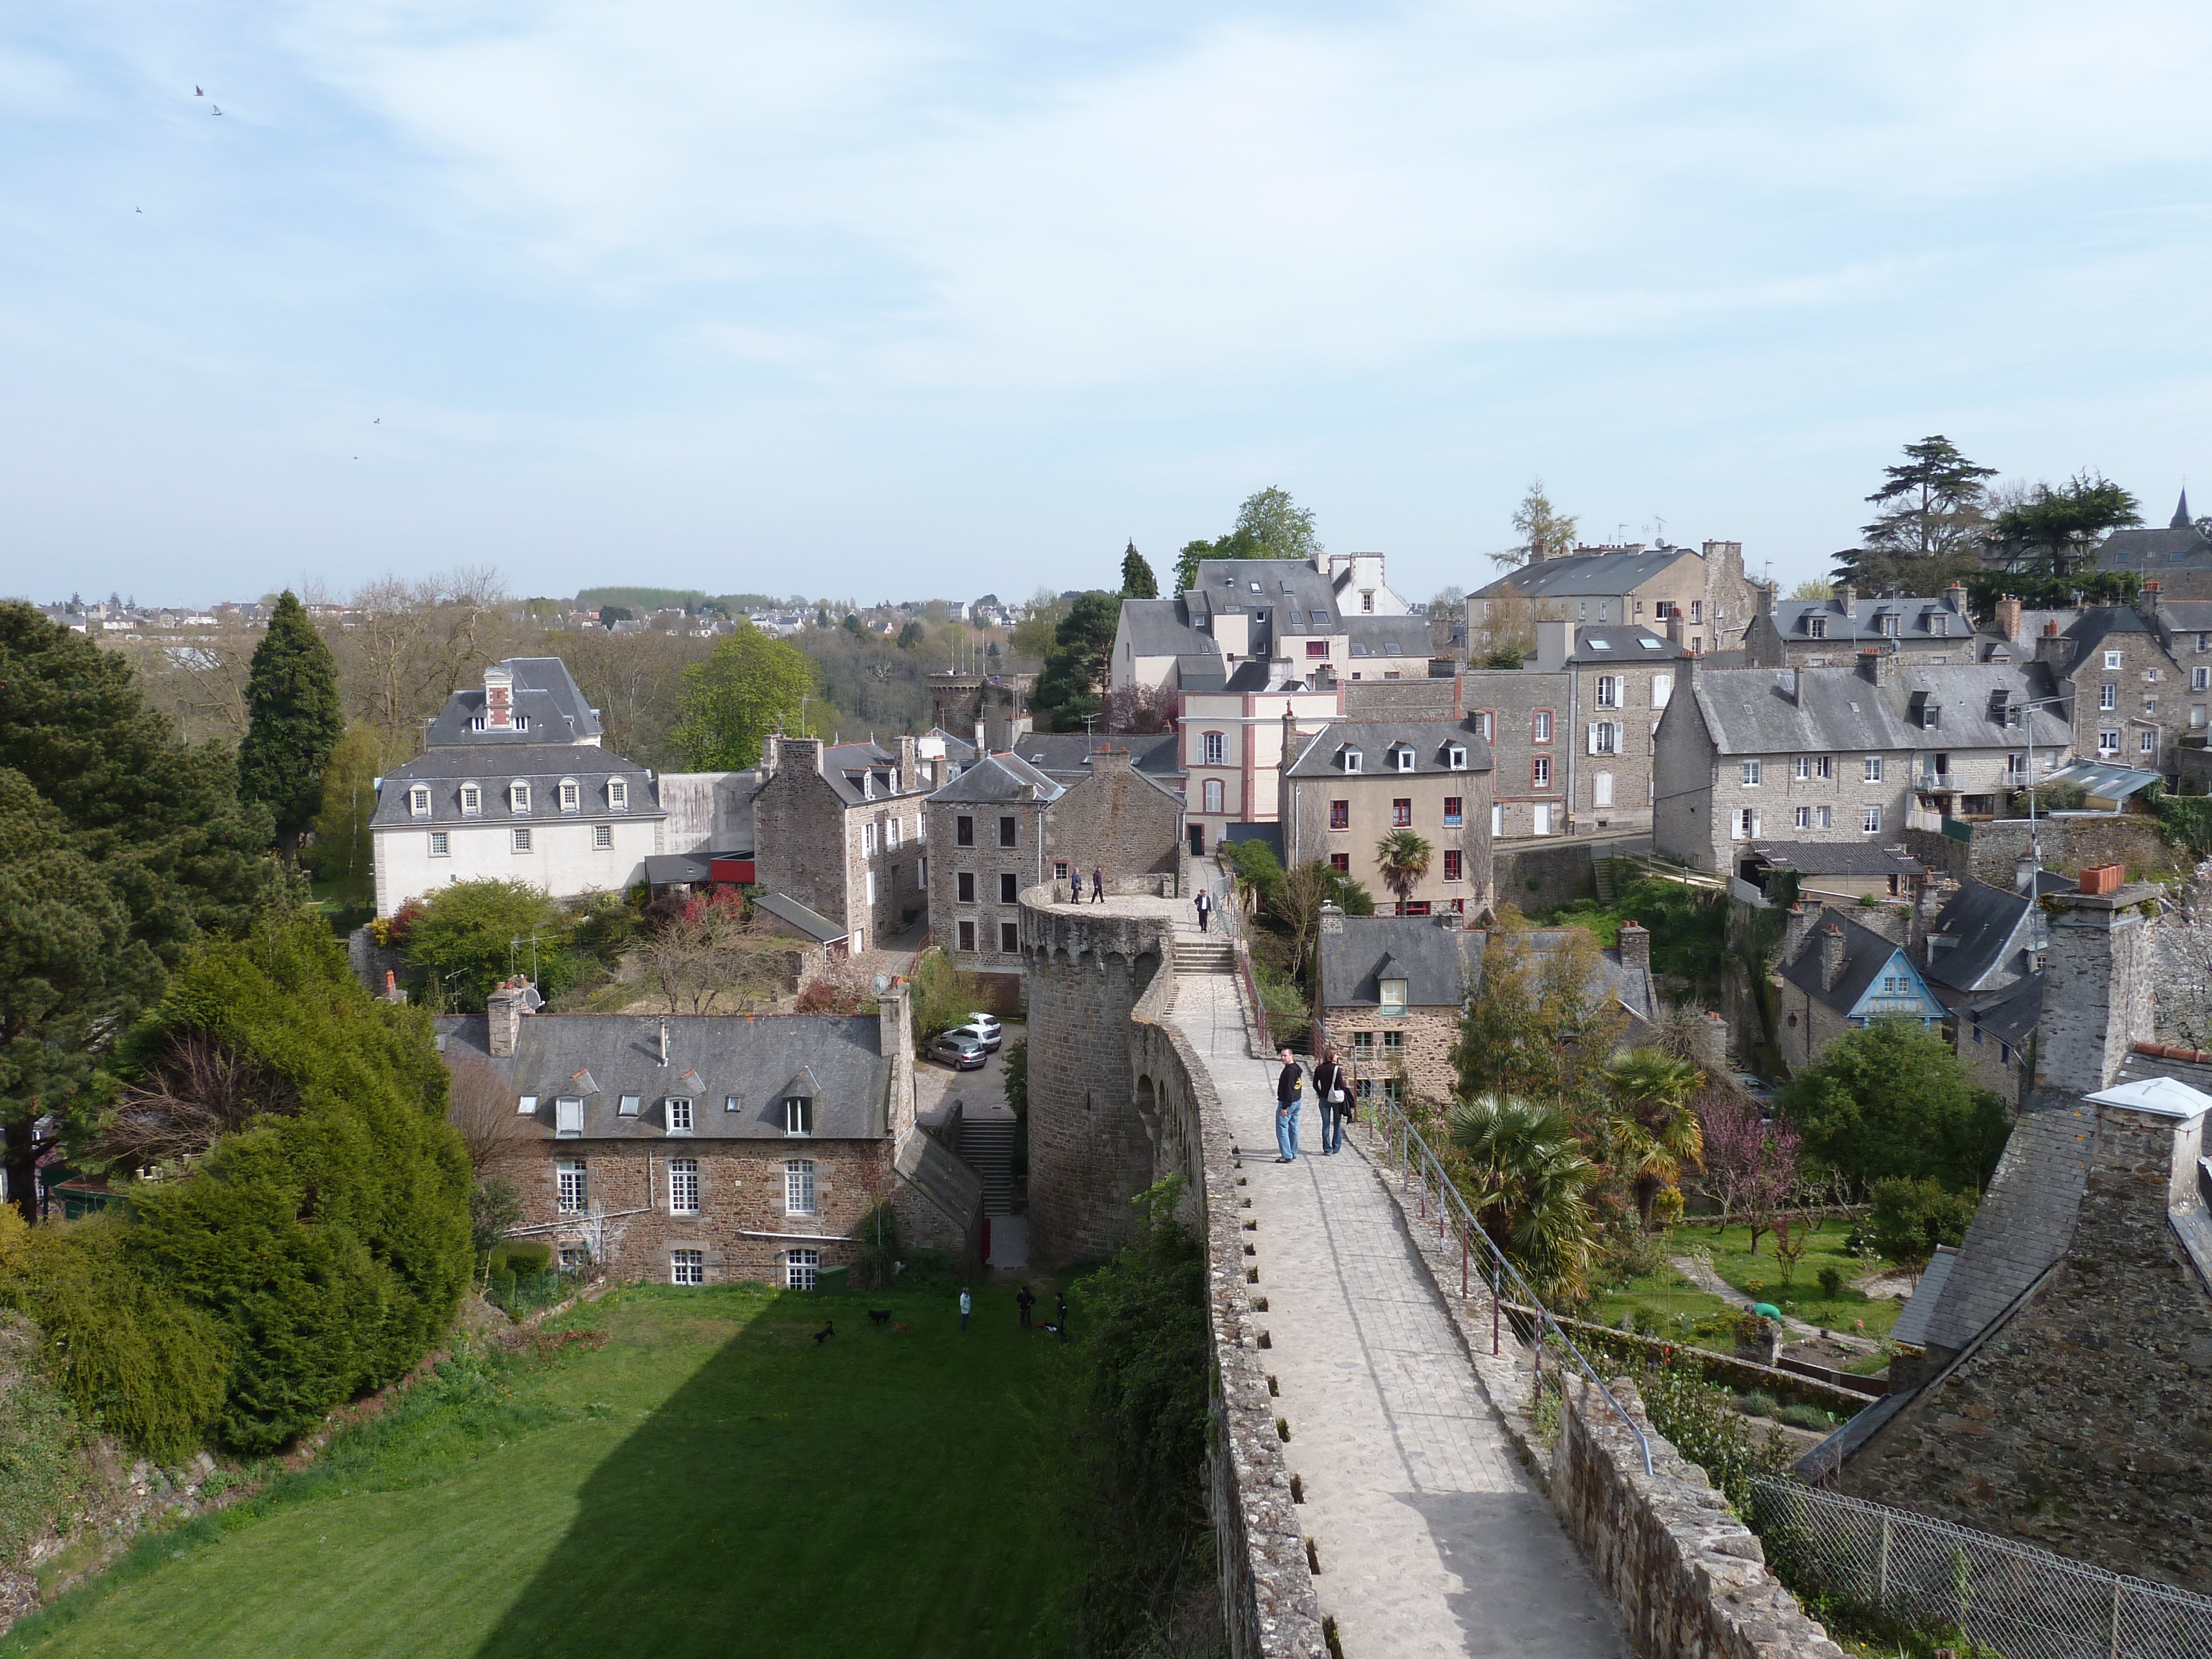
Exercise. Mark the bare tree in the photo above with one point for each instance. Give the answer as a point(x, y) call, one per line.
point(198, 679)
point(1751, 1163)
point(482, 1107)
point(198, 1089)
point(706, 956)
point(408, 646)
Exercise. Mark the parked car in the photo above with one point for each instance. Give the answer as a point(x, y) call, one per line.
point(986, 1035)
point(987, 1024)
point(961, 1054)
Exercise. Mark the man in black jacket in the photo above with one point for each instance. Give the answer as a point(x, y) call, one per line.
point(1288, 1087)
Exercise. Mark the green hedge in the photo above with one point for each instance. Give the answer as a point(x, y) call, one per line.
point(521, 1255)
point(305, 1259)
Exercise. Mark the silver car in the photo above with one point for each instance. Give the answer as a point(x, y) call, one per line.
point(962, 1054)
point(986, 1035)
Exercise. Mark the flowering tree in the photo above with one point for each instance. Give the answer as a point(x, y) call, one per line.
point(1751, 1161)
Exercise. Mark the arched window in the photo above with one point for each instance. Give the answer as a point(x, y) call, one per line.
point(518, 796)
point(1212, 795)
point(572, 795)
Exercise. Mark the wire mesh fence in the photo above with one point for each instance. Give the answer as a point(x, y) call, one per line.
point(2008, 1599)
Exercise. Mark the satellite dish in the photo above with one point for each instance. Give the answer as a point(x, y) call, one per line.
point(883, 983)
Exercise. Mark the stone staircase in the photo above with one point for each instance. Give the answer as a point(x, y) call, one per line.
point(987, 1147)
point(1203, 955)
point(1602, 870)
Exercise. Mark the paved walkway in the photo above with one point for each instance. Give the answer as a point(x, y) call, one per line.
point(1431, 1538)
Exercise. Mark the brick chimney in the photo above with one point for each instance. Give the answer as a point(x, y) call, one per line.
point(1635, 946)
point(2097, 988)
point(2009, 617)
point(504, 1012)
point(1831, 956)
point(2150, 593)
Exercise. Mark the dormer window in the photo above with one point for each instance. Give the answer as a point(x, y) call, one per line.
point(1394, 995)
point(1352, 758)
point(418, 802)
point(471, 800)
point(522, 722)
point(1456, 757)
point(518, 798)
point(1404, 759)
point(797, 1115)
point(572, 795)
point(679, 1115)
point(1816, 627)
point(618, 795)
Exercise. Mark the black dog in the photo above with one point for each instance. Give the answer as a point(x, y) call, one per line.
point(824, 1334)
point(879, 1315)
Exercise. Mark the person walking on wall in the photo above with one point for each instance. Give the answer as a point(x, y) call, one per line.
point(963, 1306)
point(1332, 1094)
point(1288, 1087)
point(1205, 909)
point(1098, 885)
point(1074, 885)
point(1025, 1301)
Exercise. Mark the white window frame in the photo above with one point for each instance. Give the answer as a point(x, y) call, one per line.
point(801, 1269)
point(1804, 768)
point(603, 838)
point(1214, 747)
point(682, 1186)
point(798, 1116)
point(687, 1266)
point(2200, 679)
point(471, 800)
point(872, 887)
point(868, 839)
point(527, 1106)
point(1753, 774)
point(2108, 696)
point(1823, 766)
point(1404, 758)
point(1663, 690)
point(801, 1193)
point(618, 795)
point(418, 802)
point(1803, 818)
point(2108, 742)
point(2111, 659)
point(1824, 818)
point(676, 1113)
point(1456, 757)
point(568, 1118)
point(572, 1186)
point(2149, 744)
point(571, 795)
point(520, 840)
point(518, 797)
point(441, 846)
point(1540, 725)
point(1870, 820)
point(1609, 691)
point(1352, 759)
point(1873, 769)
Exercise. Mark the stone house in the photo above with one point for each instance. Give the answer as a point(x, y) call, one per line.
point(1699, 598)
point(1840, 755)
point(1983, 956)
point(1332, 617)
point(1354, 782)
point(1994, 1034)
point(2132, 700)
point(841, 829)
point(699, 1149)
point(1571, 732)
point(513, 785)
point(1391, 990)
point(1004, 826)
point(1832, 632)
point(2178, 558)
point(1835, 975)
point(1231, 747)
point(1827, 871)
point(2057, 1394)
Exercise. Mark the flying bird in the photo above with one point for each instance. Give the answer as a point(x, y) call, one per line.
point(379, 420)
point(215, 109)
point(196, 93)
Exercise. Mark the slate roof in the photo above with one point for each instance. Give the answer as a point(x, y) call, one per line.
point(678, 869)
point(2145, 549)
point(1289, 590)
point(1919, 621)
point(1621, 644)
point(816, 926)
point(1065, 756)
point(1992, 927)
point(1837, 857)
point(1586, 574)
point(2186, 615)
point(2010, 1014)
point(1756, 711)
point(956, 748)
point(542, 766)
point(1323, 754)
point(1913, 1320)
point(711, 1058)
point(1866, 953)
point(2025, 1222)
point(999, 778)
point(546, 694)
point(1438, 961)
point(859, 772)
point(1162, 628)
point(1406, 637)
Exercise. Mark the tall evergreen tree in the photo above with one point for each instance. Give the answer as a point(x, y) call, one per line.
point(118, 847)
point(1075, 673)
point(1137, 582)
point(1934, 507)
point(296, 720)
point(2059, 527)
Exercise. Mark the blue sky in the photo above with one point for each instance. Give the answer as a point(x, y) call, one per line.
point(891, 301)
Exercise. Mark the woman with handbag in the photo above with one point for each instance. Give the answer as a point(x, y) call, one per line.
point(1334, 1095)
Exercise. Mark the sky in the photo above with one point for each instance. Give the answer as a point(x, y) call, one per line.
point(893, 301)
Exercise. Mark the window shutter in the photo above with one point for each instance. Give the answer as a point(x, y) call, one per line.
point(1758, 825)
point(1593, 737)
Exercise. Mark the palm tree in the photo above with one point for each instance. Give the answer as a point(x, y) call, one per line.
point(1653, 1133)
point(1404, 858)
point(1532, 1179)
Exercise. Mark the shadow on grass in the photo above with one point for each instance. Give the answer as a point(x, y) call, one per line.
point(864, 1495)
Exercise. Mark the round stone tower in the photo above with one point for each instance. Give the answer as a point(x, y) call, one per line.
point(1090, 1153)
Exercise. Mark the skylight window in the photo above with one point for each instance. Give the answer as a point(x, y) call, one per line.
point(1648, 643)
point(1601, 645)
point(1392, 649)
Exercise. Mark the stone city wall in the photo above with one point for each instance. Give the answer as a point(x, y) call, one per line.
point(2068, 845)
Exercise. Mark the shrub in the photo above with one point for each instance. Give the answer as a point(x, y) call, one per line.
point(1759, 1403)
point(1807, 1417)
point(943, 995)
point(1831, 1282)
point(521, 1256)
point(464, 941)
point(1910, 1218)
point(1703, 1425)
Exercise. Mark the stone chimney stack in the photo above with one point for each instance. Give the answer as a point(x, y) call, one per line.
point(1847, 601)
point(2150, 592)
point(2097, 986)
point(1798, 929)
point(2009, 617)
point(1766, 591)
point(771, 751)
point(1635, 947)
point(804, 753)
point(982, 748)
point(1831, 956)
point(1712, 1036)
point(895, 1038)
point(504, 1012)
point(909, 767)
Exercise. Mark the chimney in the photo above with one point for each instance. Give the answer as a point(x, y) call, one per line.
point(1109, 760)
point(1831, 956)
point(499, 699)
point(1554, 641)
point(895, 1042)
point(909, 767)
point(1766, 591)
point(504, 1012)
point(771, 751)
point(1847, 602)
point(1712, 1037)
point(1635, 947)
point(982, 747)
point(2150, 596)
point(1955, 597)
point(1878, 668)
point(2097, 988)
point(1797, 687)
point(804, 753)
point(2009, 617)
point(1800, 929)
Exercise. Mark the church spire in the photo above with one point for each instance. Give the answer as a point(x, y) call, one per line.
point(2181, 520)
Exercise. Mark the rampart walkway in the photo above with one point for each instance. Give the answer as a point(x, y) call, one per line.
point(1431, 1538)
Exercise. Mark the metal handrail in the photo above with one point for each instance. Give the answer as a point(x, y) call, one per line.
point(1469, 1229)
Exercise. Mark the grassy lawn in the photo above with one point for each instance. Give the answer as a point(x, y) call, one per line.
point(709, 1482)
point(1675, 1302)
